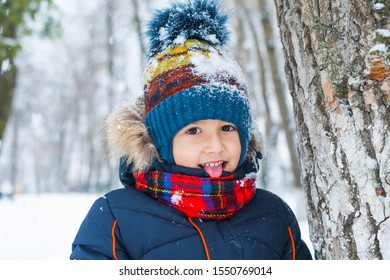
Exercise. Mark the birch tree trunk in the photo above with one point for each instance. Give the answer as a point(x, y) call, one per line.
point(337, 66)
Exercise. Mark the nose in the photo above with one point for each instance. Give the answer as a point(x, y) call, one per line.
point(214, 143)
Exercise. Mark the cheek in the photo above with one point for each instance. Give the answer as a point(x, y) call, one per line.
point(236, 144)
point(234, 148)
point(183, 155)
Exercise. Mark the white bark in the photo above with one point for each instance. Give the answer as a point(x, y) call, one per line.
point(340, 89)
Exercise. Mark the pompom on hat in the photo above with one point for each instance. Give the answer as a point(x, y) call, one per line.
point(190, 76)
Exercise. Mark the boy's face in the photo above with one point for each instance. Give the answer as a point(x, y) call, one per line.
point(213, 145)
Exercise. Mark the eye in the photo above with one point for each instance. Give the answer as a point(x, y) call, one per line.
point(193, 130)
point(229, 127)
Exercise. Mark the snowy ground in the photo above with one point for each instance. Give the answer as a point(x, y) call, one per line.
point(42, 227)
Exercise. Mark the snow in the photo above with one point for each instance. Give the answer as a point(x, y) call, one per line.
point(379, 47)
point(180, 40)
point(354, 81)
point(5, 66)
point(212, 38)
point(163, 33)
point(211, 65)
point(378, 6)
point(176, 198)
point(383, 32)
point(42, 227)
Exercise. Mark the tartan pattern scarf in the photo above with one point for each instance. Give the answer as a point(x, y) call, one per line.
point(197, 197)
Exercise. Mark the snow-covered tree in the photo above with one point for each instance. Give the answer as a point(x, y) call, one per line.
point(338, 68)
point(13, 18)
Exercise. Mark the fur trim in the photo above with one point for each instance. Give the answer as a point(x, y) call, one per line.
point(126, 135)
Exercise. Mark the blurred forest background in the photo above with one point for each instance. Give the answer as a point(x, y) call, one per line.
point(66, 64)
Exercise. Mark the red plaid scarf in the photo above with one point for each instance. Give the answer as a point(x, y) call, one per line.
point(206, 198)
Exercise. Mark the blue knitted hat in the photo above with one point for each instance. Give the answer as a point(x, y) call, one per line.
point(190, 76)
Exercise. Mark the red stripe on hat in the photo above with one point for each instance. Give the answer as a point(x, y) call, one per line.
point(171, 82)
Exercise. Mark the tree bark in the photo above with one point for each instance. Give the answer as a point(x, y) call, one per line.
point(7, 87)
point(337, 67)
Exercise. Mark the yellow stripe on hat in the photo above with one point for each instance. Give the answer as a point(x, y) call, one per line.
point(174, 57)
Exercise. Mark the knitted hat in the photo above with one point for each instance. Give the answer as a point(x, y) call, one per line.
point(190, 75)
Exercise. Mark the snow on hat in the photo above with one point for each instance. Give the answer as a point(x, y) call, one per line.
point(190, 76)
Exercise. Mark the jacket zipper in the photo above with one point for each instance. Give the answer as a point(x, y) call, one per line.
point(201, 237)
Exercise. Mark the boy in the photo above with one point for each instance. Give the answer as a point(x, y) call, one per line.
point(189, 158)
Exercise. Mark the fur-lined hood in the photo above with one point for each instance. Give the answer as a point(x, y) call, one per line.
point(126, 136)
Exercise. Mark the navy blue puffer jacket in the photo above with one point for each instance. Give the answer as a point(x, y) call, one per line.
point(128, 224)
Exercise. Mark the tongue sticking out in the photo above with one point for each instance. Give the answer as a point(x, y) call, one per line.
point(215, 171)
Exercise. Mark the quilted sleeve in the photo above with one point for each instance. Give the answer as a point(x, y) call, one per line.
point(98, 237)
